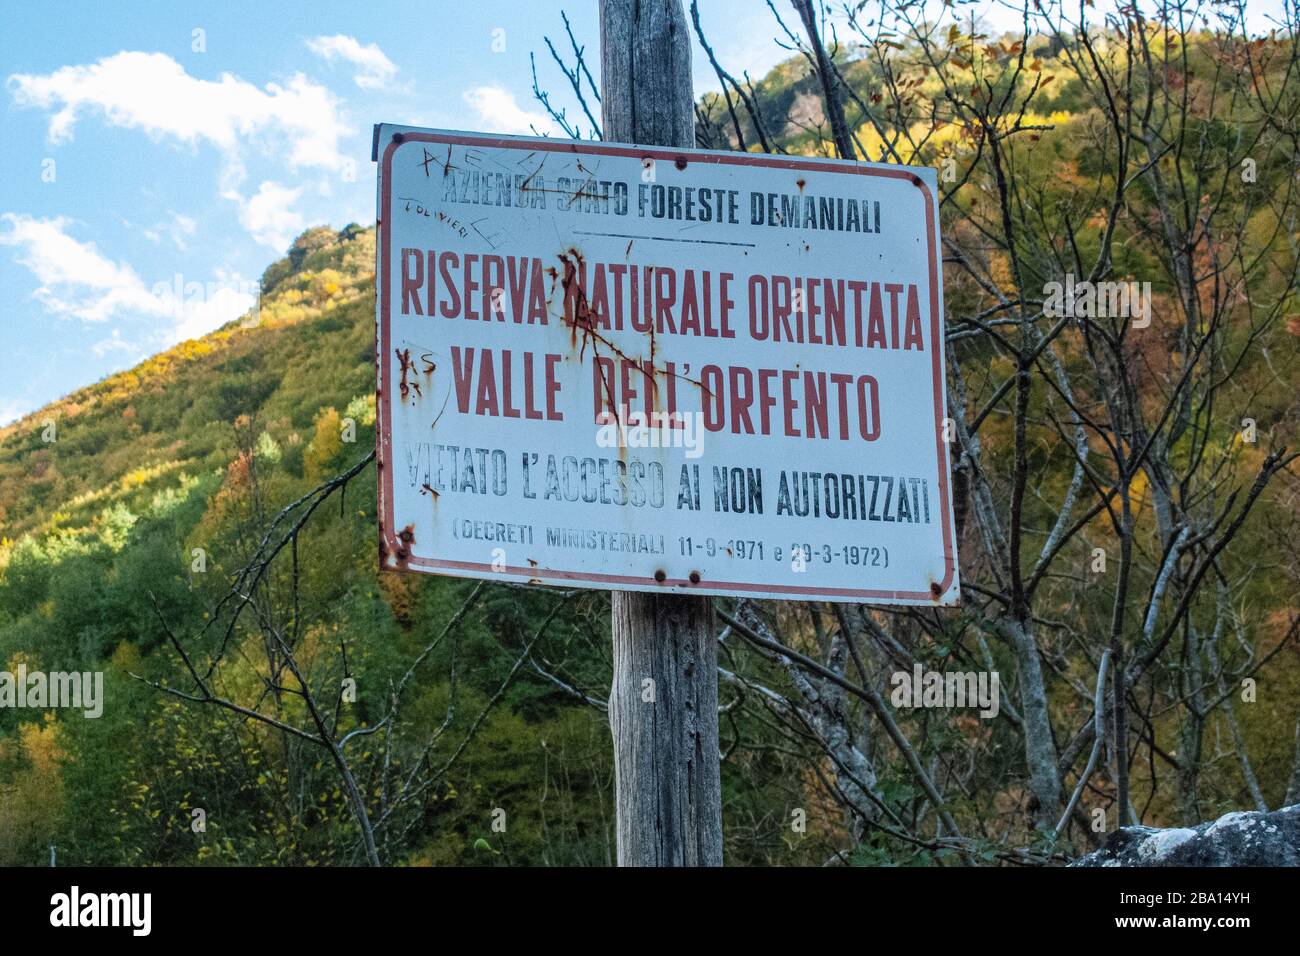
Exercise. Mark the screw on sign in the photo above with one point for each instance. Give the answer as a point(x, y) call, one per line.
point(667, 372)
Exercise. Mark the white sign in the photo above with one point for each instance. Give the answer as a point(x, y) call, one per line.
point(647, 369)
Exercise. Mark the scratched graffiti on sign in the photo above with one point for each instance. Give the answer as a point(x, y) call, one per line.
point(641, 368)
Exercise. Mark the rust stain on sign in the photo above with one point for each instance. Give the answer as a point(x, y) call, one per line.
point(406, 537)
point(583, 330)
point(407, 384)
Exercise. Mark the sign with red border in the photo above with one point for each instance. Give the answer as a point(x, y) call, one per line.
point(640, 368)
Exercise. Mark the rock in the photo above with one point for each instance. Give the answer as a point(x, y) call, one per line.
point(1235, 839)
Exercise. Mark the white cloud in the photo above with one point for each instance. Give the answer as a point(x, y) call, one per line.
point(268, 215)
point(178, 230)
point(374, 69)
point(499, 112)
point(75, 279)
point(115, 343)
point(201, 315)
point(154, 93)
point(78, 281)
point(12, 409)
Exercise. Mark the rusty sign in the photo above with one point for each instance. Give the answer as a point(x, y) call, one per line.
point(641, 368)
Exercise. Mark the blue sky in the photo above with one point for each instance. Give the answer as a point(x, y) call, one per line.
point(140, 155)
point(131, 157)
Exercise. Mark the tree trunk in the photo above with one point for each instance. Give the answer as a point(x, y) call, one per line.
point(1293, 788)
point(663, 712)
point(663, 705)
point(1040, 750)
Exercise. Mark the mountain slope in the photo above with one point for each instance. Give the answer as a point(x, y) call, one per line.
point(310, 345)
point(122, 535)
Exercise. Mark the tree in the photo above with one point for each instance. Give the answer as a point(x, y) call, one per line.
point(1110, 474)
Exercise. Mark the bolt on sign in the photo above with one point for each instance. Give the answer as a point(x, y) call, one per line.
point(650, 369)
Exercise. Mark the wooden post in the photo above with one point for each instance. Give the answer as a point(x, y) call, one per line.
point(663, 705)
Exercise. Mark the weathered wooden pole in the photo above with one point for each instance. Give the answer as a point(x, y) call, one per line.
point(663, 705)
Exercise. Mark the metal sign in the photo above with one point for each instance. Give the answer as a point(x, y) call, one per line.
point(641, 368)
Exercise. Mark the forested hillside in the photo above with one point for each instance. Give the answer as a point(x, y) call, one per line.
point(143, 532)
point(196, 449)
